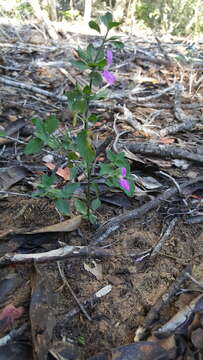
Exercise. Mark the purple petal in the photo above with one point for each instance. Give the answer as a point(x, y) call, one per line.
point(123, 171)
point(124, 184)
point(110, 78)
point(109, 56)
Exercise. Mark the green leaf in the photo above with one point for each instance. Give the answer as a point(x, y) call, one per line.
point(81, 207)
point(100, 55)
point(80, 106)
point(40, 131)
point(100, 95)
point(107, 19)
point(113, 38)
point(95, 204)
point(69, 189)
point(85, 147)
point(86, 90)
point(73, 173)
point(79, 64)
point(96, 78)
point(118, 159)
point(73, 96)
point(94, 25)
point(94, 187)
point(62, 206)
point(101, 64)
point(118, 44)
point(72, 156)
point(2, 133)
point(113, 24)
point(48, 181)
point(91, 52)
point(34, 146)
point(39, 193)
point(93, 118)
point(106, 169)
point(92, 218)
point(54, 143)
point(51, 124)
point(83, 54)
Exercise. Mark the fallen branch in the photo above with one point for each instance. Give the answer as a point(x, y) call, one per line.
point(166, 298)
point(163, 151)
point(32, 88)
point(166, 106)
point(58, 254)
point(174, 129)
point(115, 223)
point(92, 300)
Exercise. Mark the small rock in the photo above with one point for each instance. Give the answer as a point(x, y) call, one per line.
point(48, 158)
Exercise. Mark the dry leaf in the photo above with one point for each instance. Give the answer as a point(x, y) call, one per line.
point(64, 173)
point(68, 225)
point(50, 166)
point(165, 140)
point(11, 176)
point(96, 270)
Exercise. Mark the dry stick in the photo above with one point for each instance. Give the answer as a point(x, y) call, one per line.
point(36, 90)
point(179, 114)
point(166, 106)
point(164, 237)
point(152, 97)
point(166, 298)
point(163, 151)
point(174, 129)
point(92, 300)
point(58, 254)
point(13, 335)
point(115, 223)
point(200, 285)
point(151, 59)
point(167, 58)
point(65, 281)
point(180, 319)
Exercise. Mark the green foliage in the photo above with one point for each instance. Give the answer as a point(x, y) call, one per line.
point(177, 17)
point(69, 15)
point(85, 147)
point(80, 152)
point(43, 130)
point(112, 171)
point(48, 189)
point(16, 9)
point(94, 25)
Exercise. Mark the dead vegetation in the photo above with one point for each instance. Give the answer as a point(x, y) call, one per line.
point(132, 288)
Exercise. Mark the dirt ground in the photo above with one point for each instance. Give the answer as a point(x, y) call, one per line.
point(135, 285)
point(137, 281)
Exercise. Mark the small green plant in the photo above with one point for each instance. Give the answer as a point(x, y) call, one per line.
point(80, 152)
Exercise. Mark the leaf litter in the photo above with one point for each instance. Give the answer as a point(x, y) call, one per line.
point(144, 248)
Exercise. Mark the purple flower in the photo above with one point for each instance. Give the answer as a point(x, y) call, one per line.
point(123, 171)
point(110, 78)
point(109, 57)
point(123, 182)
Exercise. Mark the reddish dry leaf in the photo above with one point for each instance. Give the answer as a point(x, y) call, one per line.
point(101, 158)
point(97, 124)
point(165, 140)
point(64, 173)
point(50, 166)
point(10, 313)
point(196, 197)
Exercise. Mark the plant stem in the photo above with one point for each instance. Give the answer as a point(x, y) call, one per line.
point(90, 165)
